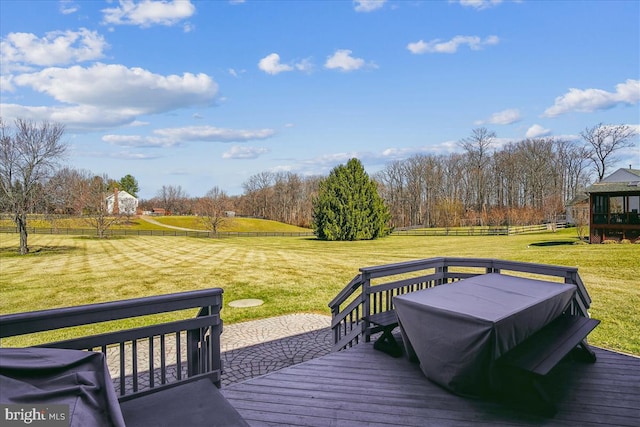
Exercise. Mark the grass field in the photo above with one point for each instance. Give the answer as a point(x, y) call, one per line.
point(191, 222)
point(240, 225)
point(293, 274)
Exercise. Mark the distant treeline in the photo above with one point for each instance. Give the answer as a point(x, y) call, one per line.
point(526, 182)
point(486, 184)
point(522, 183)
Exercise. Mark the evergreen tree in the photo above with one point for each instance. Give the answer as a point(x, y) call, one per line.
point(348, 206)
point(129, 184)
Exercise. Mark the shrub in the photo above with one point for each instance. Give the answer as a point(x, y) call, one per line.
point(609, 242)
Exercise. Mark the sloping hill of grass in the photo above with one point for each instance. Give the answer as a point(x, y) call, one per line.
point(232, 224)
point(238, 225)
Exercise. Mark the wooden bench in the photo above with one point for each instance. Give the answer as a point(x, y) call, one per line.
point(387, 321)
point(540, 353)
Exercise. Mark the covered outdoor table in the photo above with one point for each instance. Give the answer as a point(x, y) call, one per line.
point(459, 330)
point(75, 379)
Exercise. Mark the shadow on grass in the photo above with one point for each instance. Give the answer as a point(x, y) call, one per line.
point(9, 251)
point(94, 237)
point(554, 243)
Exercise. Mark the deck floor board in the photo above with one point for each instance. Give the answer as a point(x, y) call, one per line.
point(363, 387)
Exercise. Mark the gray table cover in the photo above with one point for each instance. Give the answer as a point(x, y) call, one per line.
point(458, 330)
point(76, 378)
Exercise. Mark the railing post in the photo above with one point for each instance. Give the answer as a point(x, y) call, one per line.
point(442, 270)
point(214, 359)
point(581, 301)
point(335, 310)
point(193, 365)
point(492, 269)
point(366, 305)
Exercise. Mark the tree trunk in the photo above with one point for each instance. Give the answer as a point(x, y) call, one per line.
point(21, 222)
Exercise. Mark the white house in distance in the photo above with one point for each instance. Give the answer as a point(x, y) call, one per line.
point(121, 203)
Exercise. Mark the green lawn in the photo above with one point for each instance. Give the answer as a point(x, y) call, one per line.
point(293, 274)
point(232, 224)
point(192, 222)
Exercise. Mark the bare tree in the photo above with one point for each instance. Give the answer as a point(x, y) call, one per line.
point(173, 199)
point(29, 153)
point(477, 149)
point(127, 208)
point(66, 191)
point(572, 161)
point(603, 141)
point(392, 186)
point(259, 189)
point(212, 209)
point(96, 213)
point(65, 194)
point(580, 214)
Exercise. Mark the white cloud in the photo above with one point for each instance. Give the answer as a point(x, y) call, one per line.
point(306, 65)
point(68, 7)
point(451, 46)
point(169, 137)
point(590, 100)
point(236, 73)
point(76, 118)
point(22, 50)
point(135, 90)
point(127, 155)
point(188, 27)
point(343, 61)
point(104, 96)
point(537, 131)
point(368, 5)
point(270, 64)
point(138, 123)
point(478, 4)
point(406, 152)
point(330, 160)
point(213, 134)
point(6, 84)
point(148, 12)
point(136, 141)
point(505, 117)
point(238, 152)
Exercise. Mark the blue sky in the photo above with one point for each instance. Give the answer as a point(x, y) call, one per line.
point(207, 93)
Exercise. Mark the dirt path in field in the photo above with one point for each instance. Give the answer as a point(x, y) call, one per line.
point(173, 227)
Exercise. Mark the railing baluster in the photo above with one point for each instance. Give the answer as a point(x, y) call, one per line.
point(178, 357)
point(163, 360)
point(122, 369)
point(151, 357)
point(134, 364)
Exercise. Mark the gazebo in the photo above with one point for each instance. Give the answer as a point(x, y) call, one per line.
point(615, 207)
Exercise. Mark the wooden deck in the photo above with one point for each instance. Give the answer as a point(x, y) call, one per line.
point(364, 387)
